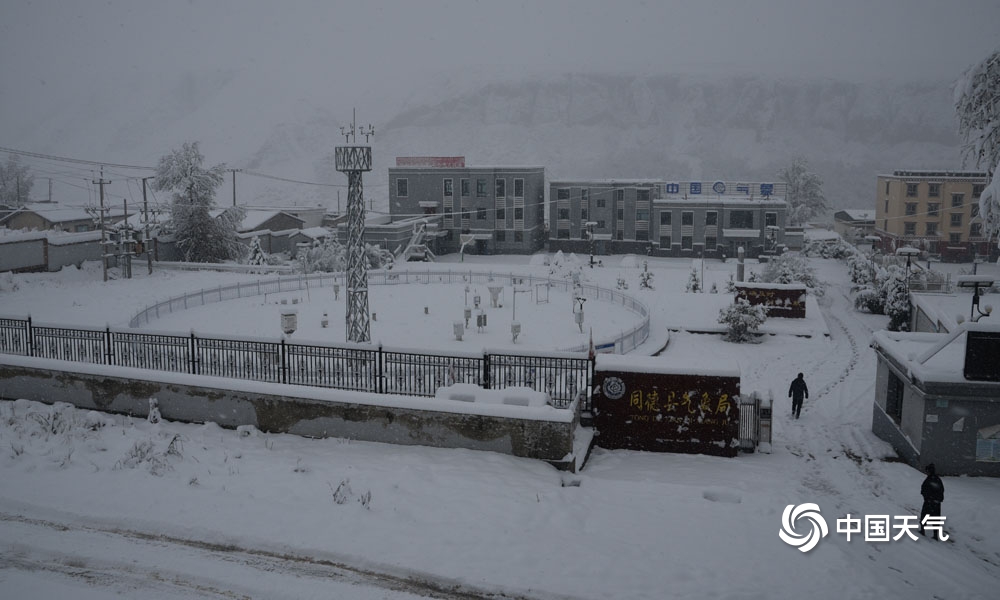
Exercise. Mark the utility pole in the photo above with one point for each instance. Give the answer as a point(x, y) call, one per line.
point(104, 253)
point(338, 202)
point(234, 172)
point(126, 243)
point(145, 212)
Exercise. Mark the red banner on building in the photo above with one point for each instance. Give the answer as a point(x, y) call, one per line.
point(441, 162)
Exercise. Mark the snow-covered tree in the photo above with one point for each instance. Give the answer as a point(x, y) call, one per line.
point(897, 302)
point(200, 236)
point(15, 182)
point(646, 280)
point(256, 255)
point(693, 283)
point(743, 319)
point(327, 257)
point(860, 268)
point(805, 192)
point(977, 102)
point(731, 285)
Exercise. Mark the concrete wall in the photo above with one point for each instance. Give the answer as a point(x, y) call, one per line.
point(24, 255)
point(61, 255)
point(293, 409)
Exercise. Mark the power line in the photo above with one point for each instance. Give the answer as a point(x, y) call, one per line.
point(72, 160)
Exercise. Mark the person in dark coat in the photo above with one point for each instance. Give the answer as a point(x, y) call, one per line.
point(796, 392)
point(932, 489)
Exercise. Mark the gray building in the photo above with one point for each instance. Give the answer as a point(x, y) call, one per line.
point(663, 218)
point(937, 398)
point(497, 209)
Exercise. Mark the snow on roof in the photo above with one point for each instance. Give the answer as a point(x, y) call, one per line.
point(54, 236)
point(60, 213)
point(813, 233)
point(691, 365)
point(932, 357)
point(771, 286)
point(615, 181)
point(315, 232)
point(935, 174)
point(741, 233)
point(857, 214)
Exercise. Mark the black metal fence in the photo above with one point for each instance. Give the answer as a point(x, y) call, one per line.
point(749, 422)
point(564, 376)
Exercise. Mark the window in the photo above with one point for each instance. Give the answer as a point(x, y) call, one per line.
point(956, 219)
point(619, 195)
point(480, 214)
point(601, 224)
point(976, 230)
point(932, 209)
point(448, 190)
point(911, 209)
point(583, 214)
point(711, 218)
point(741, 219)
point(562, 194)
point(518, 214)
point(465, 187)
point(909, 229)
point(642, 214)
point(518, 236)
point(977, 189)
point(686, 242)
point(80, 228)
point(770, 219)
point(665, 217)
point(642, 235)
point(620, 235)
point(687, 217)
point(621, 213)
point(585, 195)
point(501, 214)
point(501, 188)
point(931, 229)
point(886, 206)
point(894, 398)
point(562, 234)
point(519, 188)
point(642, 195)
point(934, 190)
point(480, 188)
point(957, 200)
point(711, 243)
point(886, 188)
point(401, 187)
point(601, 202)
point(665, 242)
point(954, 238)
point(563, 213)
point(501, 235)
point(911, 190)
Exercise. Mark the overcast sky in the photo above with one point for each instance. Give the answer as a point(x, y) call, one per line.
point(43, 43)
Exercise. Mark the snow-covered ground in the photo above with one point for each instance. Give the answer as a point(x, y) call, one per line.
point(98, 506)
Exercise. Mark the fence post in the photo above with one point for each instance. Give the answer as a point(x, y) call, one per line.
point(486, 371)
point(109, 352)
point(284, 361)
point(30, 338)
point(193, 348)
point(379, 371)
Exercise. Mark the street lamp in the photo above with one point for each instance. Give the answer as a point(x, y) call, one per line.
point(975, 282)
point(908, 252)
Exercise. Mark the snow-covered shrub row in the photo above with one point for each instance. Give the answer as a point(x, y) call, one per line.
point(791, 269)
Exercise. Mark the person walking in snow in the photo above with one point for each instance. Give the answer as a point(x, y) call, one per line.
point(797, 391)
point(932, 489)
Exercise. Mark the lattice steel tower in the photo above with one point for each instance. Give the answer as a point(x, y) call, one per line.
point(355, 160)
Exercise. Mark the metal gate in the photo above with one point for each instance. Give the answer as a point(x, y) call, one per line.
point(749, 422)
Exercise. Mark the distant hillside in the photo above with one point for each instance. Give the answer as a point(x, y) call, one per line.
point(671, 126)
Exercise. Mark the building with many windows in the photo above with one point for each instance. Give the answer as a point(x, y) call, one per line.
point(711, 219)
point(496, 209)
point(936, 211)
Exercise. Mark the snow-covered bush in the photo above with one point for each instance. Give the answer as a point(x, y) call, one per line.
point(791, 269)
point(860, 269)
point(828, 249)
point(743, 319)
point(869, 299)
point(256, 256)
point(327, 257)
point(731, 285)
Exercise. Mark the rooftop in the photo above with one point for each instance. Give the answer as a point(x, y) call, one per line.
point(932, 357)
point(940, 173)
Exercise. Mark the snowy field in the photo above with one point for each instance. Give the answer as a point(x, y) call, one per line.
point(98, 506)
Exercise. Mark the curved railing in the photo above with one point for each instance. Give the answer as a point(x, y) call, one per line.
point(623, 343)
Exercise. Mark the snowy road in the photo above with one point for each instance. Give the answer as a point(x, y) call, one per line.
point(114, 562)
